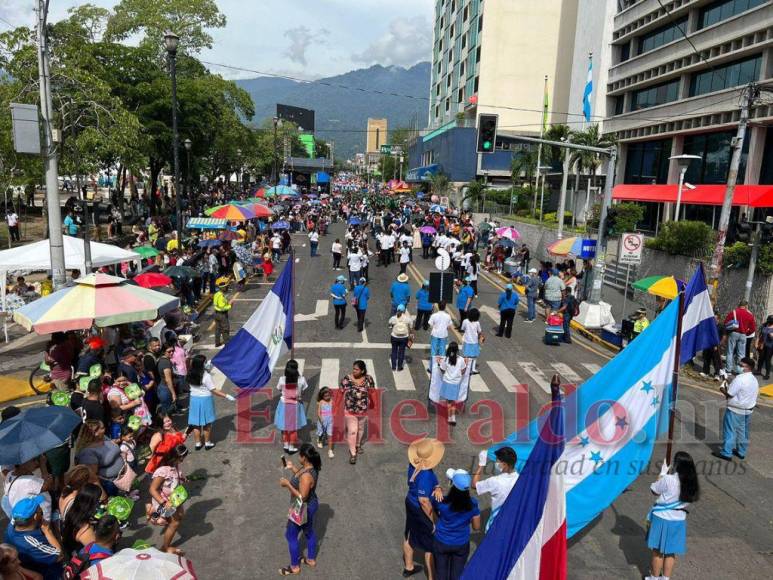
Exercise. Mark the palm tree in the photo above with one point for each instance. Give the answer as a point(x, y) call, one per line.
point(588, 162)
point(440, 184)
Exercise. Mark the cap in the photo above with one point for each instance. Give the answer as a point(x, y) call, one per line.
point(96, 342)
point(363, 279)
point(401, 307)
point(467, 279)
point(460, 478)
point(26, 508)
point(532, 270)
point(509, 287)
point(341, 278)
point(426, 283)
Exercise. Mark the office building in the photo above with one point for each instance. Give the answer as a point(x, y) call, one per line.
point(667, 95)
point(377, 135)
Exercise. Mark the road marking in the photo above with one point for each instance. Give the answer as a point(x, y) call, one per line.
point(328, 374)
point(403, 380)
point(535, 373)
point(301, 364)
point(507, 378)
point(320, 310)
point(247, 300)
point(592, 367)
point(492, 313)
point(477, 385)
point(566, 371)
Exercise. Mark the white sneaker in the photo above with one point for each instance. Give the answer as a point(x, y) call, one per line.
point(330, 453)
point(292, 449)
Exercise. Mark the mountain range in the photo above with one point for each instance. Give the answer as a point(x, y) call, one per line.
point(342, 108)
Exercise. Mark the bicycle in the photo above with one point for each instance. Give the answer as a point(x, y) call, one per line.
point(40, 378)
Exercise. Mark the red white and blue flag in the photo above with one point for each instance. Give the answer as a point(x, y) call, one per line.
point(528, 538)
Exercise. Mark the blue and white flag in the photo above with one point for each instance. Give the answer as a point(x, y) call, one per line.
point(699, 329)
point(586, 108)
point(612, 422)
point(250, 356)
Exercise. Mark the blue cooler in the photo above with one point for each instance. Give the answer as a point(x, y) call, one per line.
point(554, 335)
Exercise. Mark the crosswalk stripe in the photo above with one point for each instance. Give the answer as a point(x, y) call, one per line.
point(371, 369)
point(328, 374)
point(301, 364)
point(592, 367)
point(507, 379)
point(535, 373)
point(403, 380)
point(567, 373)
point(477, 385)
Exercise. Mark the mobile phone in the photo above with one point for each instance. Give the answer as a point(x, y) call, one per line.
point(284, 461)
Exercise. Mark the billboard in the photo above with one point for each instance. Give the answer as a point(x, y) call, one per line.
point(304, 118)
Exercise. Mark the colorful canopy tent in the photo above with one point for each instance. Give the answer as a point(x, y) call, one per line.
point(97, 299)
point(751, 195)
point(206, 224)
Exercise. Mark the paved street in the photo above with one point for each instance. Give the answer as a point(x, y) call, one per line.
point(238, 511)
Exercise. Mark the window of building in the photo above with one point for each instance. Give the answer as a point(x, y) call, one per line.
point(477, 55)
point(647, 161)
point(464, 40)
point(466, 13)
point(437, 111)
point(726, 76)
point(475, 89)
point(766, 172)
point(715, 150)
point(460, 96)
point(451, 31)
point(619, 105)
point(724, 9)
point(625, 52)
point(655, 95)
point(480, 23)
point(662, 35)
point(448, 104)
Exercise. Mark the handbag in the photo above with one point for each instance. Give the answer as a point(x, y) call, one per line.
point(125, 478)
point(732, 325)
point(298, 513)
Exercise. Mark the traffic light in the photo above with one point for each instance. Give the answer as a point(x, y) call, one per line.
point(487, 133)
point(609, 225)
point(743, 232)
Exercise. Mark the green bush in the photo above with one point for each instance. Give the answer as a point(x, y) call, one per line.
point(552, 217)
point(737, 255)
point(624, 217)
point(686, 238)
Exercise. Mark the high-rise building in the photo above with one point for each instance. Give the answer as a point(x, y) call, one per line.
point(669, 95)
point(493, 56)
point(377, 135)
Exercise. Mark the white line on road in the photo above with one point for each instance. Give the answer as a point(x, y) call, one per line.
point(247, 300)
point(372, 370)
point(492, 313)
point(507, 378)
point(535, 373)
point(566, 371)
point(301, 364)
point(592, 367)
point(350, 345)
point(477, 385)
point(328, 374)
point(403, 380)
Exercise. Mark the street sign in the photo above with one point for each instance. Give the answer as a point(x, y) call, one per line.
point(386, 149)
point(631, 246)
point(443, 262)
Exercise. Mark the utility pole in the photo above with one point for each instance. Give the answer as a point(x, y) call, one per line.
point(51, 155)
point(539, 152)
point(82, 196)
point(747, 291)
point(562, 198)
point(751, 93)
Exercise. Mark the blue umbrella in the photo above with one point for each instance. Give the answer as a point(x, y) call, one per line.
point(355, 221)
point(209, 243)
point(437, 209)
point(505, 243)
point(280, 225)
point(35, 431)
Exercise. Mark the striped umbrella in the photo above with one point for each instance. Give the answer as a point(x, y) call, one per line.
point(663, 286)
point(509, 233)
point(566, 246)
point(97, 299)
point(259, 210)
point(233, 212)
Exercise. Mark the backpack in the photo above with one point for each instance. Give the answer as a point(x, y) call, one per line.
point(82, 561)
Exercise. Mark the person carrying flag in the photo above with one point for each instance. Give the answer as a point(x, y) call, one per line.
point(500, 485)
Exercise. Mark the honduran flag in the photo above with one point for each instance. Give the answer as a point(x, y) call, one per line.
point(250, 356)
point(612, 422)
point(699, 329)
point(528, 537)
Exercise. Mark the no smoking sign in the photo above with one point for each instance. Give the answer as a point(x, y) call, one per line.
point(630, 249)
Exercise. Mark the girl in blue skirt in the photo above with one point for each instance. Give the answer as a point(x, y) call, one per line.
point(201, 408)
point(472, 339)
point(290, 415)
point(676, 489)
point(453, 366)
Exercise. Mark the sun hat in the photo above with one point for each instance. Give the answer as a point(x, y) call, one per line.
point(426, 453)
point(402, 278)
point(532, 270)
point(460, 478)
point(26, 508)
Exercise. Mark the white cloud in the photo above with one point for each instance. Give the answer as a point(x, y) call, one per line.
point(406, 42)
point(301, 38)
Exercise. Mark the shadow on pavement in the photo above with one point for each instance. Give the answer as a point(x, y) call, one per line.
point(632, 541)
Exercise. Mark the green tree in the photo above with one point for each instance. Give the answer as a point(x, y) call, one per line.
point(441, 185)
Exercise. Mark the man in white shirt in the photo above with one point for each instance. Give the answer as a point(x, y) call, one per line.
point(741, 398)
point(439, 322)
point(313, 242)
point(276, 247)
point(405, 257)
point(12, 219)
point(354, 259)
point(500, 485)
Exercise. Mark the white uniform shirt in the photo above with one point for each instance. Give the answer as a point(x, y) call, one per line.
point(668, 489)
point(498, 486)
point(743, 392)
point(439, 322)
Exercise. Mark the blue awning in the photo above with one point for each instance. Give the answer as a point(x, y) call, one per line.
point(422, 173)
point(207, 224)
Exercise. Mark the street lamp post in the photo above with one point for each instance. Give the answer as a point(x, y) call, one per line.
point(543, 169)
point(485, 189)
point(188, 144)
point(684, 162)
point(277, 124)
point(171, 40)
point(401, 167)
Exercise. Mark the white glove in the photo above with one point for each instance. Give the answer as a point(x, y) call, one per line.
point(663, 468)
point(230, 398)
point(482, 458)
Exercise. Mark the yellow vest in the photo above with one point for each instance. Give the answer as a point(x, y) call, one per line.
point(220, 302)
point(640, 325)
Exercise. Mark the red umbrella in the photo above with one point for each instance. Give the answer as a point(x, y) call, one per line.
point(152, 280)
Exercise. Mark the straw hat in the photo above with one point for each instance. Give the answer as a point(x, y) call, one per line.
point(426, 453)
point(402, 278)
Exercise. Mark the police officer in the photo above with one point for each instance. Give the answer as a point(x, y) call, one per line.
point(221, 305)
point(641, 322)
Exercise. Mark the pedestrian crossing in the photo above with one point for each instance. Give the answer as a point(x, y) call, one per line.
point(511, 377)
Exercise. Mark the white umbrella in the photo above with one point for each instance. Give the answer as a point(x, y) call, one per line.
point(148, 564)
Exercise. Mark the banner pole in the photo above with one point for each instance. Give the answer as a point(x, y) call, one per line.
point(675, 379)
point(292, 308)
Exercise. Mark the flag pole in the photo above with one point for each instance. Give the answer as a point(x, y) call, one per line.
point(292, 290)
point(675, 379)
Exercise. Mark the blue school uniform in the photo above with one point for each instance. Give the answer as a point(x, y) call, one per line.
point(362, 294)
point(422, 300)
point(465, 294)
point(339, 290)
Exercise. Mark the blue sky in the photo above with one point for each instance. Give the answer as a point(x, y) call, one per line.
point(304, 38)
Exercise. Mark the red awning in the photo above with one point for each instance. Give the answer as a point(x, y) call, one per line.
point(751, 195)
